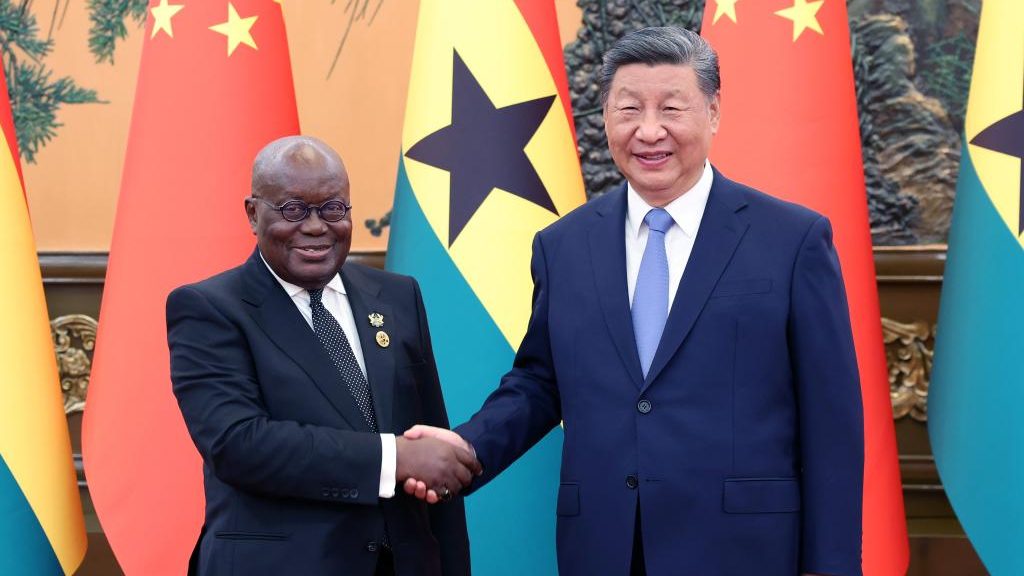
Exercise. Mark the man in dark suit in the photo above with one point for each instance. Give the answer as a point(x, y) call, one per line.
point(694, 336)
point(293, 373)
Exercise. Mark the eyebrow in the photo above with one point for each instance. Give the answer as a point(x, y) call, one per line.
point(628, 92)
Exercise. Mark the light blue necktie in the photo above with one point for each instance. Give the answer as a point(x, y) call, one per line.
point(650, 297)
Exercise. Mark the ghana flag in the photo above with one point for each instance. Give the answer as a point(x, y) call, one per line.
point(976, 391)
point(488, 160)
point(42, 532)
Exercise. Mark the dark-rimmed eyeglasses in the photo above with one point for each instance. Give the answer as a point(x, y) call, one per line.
point(297, 210)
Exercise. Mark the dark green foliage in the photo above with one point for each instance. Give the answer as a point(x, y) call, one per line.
point(18, 28)
point(35, 96)
point(36, 103)
point(690, 18)
point(108, 24)
point(946, 74)
point(376, 227)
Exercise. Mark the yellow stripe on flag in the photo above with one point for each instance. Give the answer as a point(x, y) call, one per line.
point(997, 91)
point(33, 432)
point(493, 251)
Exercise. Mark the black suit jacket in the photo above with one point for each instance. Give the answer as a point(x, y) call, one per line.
point(291, 468)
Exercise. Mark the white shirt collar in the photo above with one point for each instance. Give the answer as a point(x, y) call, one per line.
point(335, 284)
point(686, 210)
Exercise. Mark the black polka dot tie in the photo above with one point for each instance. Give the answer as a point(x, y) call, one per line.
point(333, 338)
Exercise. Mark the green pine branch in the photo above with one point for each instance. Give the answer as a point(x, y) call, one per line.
point(108, 24)
point(35, 102)
point(35, 96)
point(18, 28)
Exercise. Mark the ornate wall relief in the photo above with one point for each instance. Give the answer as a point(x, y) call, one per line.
point(74, 337)
point(909, 351)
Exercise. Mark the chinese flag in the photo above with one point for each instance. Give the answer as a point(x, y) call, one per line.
point(789, 127)
point(215, 85)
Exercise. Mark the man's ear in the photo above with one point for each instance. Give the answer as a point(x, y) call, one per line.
point(250, 213)
point(715, 111)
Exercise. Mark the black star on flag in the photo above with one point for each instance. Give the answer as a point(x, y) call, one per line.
point(1007, 136)
point(484, 148)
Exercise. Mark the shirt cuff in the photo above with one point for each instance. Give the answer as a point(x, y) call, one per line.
point(388, 465)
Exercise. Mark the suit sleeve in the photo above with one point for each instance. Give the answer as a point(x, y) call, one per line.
point(214, 380)
point(447, 520)
point(527, 404)
point(830, 409)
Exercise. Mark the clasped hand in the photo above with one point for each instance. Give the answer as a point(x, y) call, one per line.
point(434, 463)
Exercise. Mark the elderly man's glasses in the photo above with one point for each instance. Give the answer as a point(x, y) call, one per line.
point(297, 210)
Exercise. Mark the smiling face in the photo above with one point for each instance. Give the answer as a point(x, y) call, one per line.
point(659, 126)
point(310, 252)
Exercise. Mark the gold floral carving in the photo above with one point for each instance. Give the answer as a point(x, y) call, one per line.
point(74, 337)
point(908, 350)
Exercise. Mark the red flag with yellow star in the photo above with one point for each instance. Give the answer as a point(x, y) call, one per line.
point(789, 127)
point(215, 85)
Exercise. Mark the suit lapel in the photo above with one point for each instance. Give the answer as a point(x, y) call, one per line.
point(608, 260)
point(364, 298)
point(277, 316)
point(720, 232)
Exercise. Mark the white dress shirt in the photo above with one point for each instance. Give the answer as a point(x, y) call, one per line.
point(686, 211)
point(335, 300)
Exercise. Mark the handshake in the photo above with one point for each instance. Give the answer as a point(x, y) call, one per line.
point(434, 463)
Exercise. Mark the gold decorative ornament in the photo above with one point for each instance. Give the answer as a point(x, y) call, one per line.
point(74, 337)
point(382, 339)
point(376, 320)
point(909, 352)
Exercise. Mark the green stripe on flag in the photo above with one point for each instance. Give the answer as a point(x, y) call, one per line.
point(512, 519)
point(976, 389)
point(24, 547)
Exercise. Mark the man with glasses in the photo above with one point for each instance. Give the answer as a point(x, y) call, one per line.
point(293, 372)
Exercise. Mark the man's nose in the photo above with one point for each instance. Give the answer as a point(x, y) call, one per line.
point(650, 129)
point(313, 223)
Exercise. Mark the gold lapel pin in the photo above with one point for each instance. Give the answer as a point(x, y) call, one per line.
point(382, 339)
point(376, 320)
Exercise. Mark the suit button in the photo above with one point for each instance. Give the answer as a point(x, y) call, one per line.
point(644, 406)
point(371, 546)
point(631, 482)
point(354, 493)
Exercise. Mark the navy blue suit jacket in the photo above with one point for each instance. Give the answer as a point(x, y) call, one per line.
point(742, 447)
point(290, 466)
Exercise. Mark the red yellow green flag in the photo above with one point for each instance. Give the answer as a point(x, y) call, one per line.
point(42, 532)
point(488, 160)
point(789, 127)
point(975, 396)
point(215, 85)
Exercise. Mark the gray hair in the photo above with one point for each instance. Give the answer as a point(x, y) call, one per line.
point(300, 150)
point(663, 45)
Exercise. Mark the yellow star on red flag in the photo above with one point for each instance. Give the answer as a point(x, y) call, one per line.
point(237, 29)
point(803, 15)
point(162, 15)
point(725, 8)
